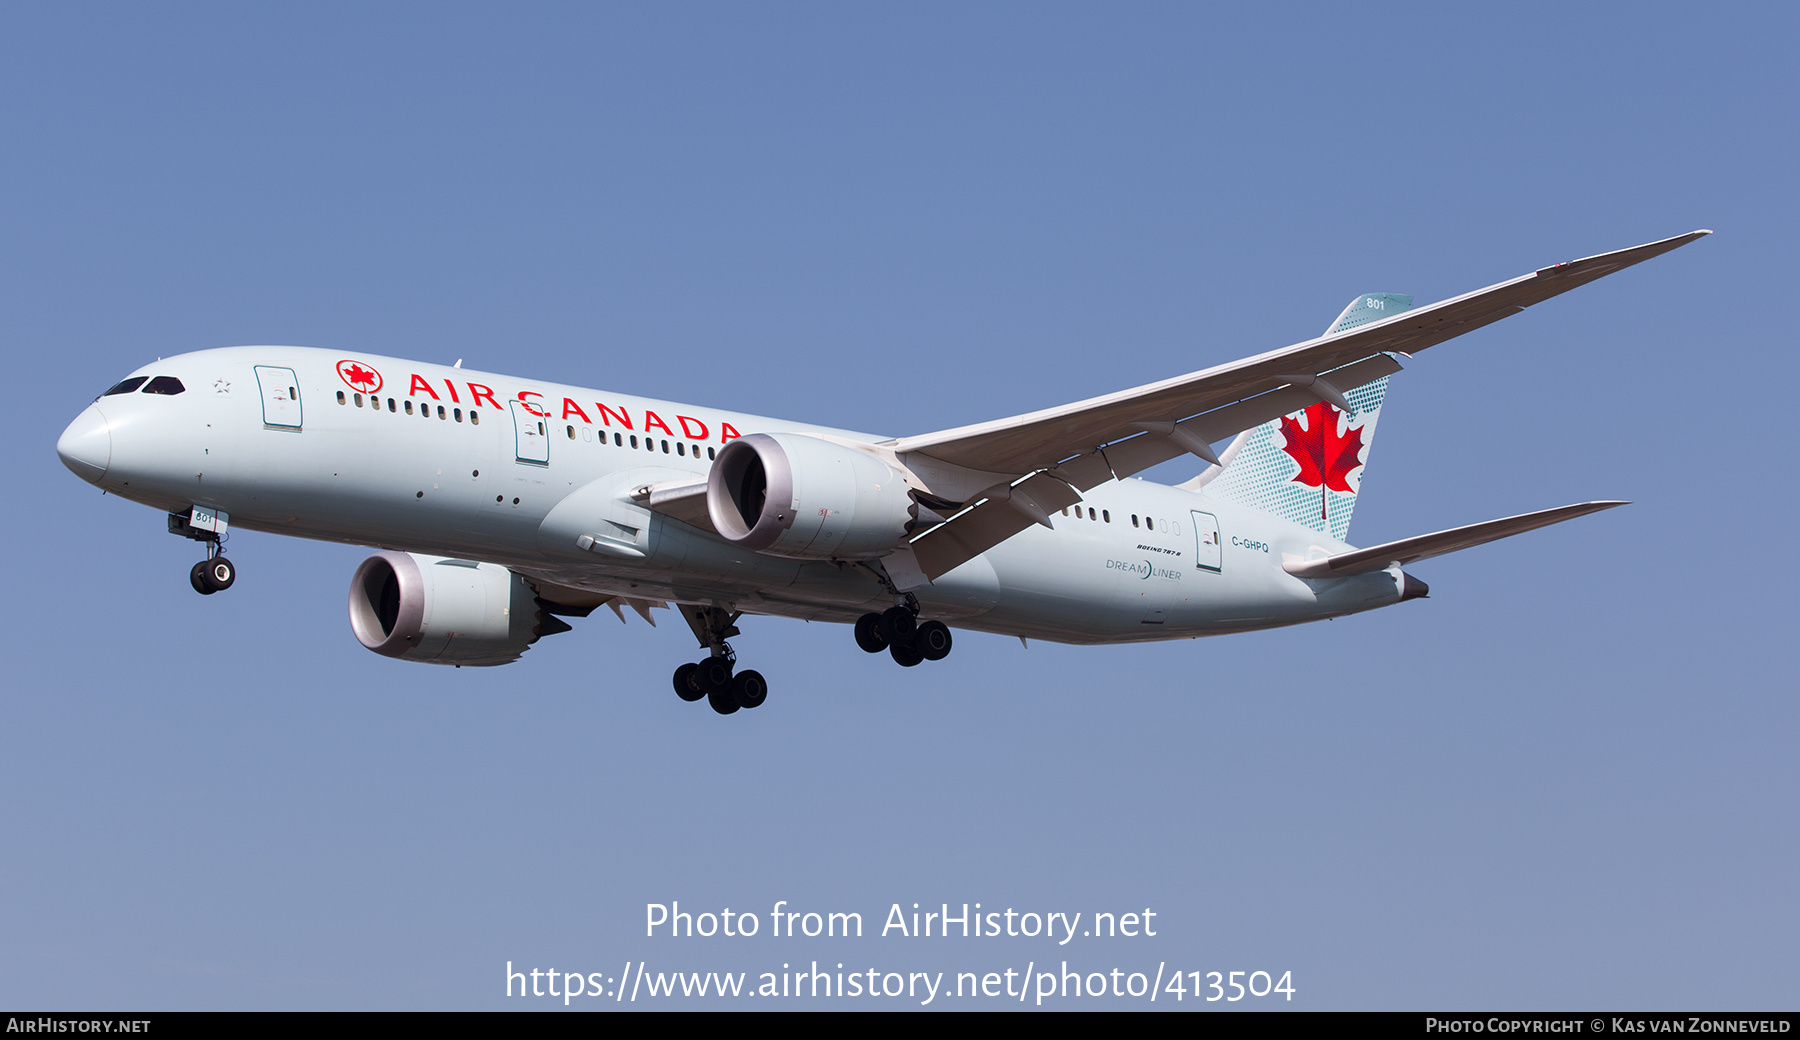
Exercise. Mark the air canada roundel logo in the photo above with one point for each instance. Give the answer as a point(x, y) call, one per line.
point(358, 376)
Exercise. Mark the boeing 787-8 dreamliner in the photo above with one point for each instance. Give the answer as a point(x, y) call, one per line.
point(501, 505)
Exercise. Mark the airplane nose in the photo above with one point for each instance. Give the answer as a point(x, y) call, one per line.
point(86, 446)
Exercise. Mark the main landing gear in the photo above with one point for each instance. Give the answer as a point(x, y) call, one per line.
point(716, 677)
point(213, 574)
point(898, 631)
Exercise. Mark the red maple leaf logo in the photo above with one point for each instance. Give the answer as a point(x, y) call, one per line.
point(1326, 457)
point(357, 377)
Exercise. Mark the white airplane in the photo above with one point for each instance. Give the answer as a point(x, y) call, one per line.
point(502, 505)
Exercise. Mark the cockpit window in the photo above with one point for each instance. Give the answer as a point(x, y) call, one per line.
point(127, 386)
point(168, 386)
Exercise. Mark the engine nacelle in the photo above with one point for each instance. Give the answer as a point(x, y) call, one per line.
point(443, 611)
point(788, 494)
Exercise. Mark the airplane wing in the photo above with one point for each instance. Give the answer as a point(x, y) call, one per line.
point(1044, 459)
point(1407, 550)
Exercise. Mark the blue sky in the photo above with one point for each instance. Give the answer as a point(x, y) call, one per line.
point(1564, 781)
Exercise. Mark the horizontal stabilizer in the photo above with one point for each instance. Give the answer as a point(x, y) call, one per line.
point(1405, 551)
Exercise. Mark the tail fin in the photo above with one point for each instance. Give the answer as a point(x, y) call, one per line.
point(1367, 308)
point(1308, 466)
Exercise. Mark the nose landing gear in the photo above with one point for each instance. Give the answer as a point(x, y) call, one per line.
point(213, 574)
point(899, 631)
point(716, 677)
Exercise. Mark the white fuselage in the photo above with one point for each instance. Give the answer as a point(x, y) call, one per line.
point(374, 473)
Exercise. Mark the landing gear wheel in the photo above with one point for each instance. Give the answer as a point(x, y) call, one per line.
point(685, 686)
point(210, 576)
point(905, 655)
point(868, 634)
point(713, 675)
point(898, 624)
point(219, 573)
point(749, 689)
point(932, 641)
point(722, 701)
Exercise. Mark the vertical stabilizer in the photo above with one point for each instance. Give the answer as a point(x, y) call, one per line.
point(1368, 309)
point(1307, 466)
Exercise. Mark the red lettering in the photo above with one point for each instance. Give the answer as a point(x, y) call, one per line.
point(418, 384)
point(453, 398)
point(726, 432)
point(529, 406)
point(689, 433)
point(571, 406)
point(652, 419)
point(479, 393)
point(607, 415)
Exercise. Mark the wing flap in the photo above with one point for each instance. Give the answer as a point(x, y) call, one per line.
point(1140, 453)
point(997, 515)
point(1407, 550)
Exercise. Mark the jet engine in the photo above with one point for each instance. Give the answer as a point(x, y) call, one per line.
point(788, 494)
point(444, 611)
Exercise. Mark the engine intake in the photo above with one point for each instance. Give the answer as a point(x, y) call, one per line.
point(444, 611)
point(789, 494)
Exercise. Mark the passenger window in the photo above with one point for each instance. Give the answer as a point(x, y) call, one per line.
point(709, 453)
point(458, 412)
point(1134, 522)
point(1091, 515)
point(340, 397)
point(408, 404)
point(358, 400)
point(1106, 515)
point(390, 404)
point(571, 433)
point(474, 417)
point(619, 441)
point(665, 445)
point(634, 440)
point(1151, 524)
point(680, 448)
point(133, 383)
point(441, 411)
